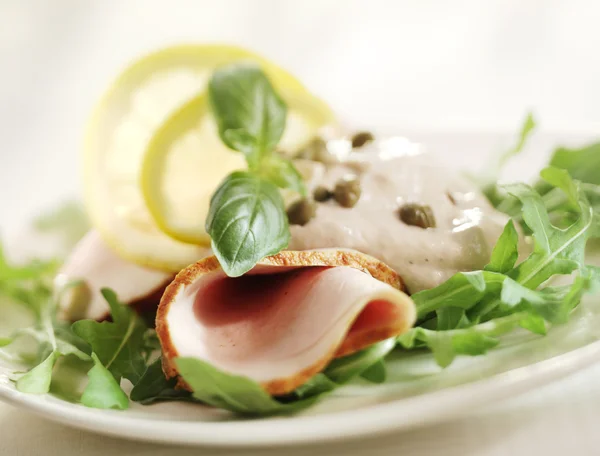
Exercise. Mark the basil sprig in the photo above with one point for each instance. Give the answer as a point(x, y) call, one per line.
point(247, 219)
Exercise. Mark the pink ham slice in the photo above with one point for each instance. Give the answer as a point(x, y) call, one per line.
point(94, 266)
point(285, 320)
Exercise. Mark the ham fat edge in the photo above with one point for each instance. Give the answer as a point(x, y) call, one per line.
point(285, 320)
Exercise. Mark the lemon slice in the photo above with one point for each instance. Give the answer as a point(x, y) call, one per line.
point(186, 161)
point(139, 102)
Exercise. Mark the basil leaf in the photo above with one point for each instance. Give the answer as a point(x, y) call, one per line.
point(246, 222)
point(250, 115)
point(118, 344)
point(283, 173)
point(102, 390)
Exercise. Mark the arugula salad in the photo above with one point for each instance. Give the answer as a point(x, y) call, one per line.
point(275, 261)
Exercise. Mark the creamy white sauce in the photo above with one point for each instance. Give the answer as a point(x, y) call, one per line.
point(392, 174)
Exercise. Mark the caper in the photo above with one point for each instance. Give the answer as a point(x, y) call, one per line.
point(315, 150)
point(322, 194)
point(301, 211)
point(361, 138)
point(417, 215)
point(347, 191)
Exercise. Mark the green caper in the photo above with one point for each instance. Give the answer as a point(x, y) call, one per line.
point(361, 138)
point(347, 191)
point(417, 215)
point(322, 194)
point(301, 211)
point(315, 150)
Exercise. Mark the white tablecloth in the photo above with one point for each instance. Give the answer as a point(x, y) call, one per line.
point(429, 65)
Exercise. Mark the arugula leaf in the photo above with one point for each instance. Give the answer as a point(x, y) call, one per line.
point(232, 392)
point(242, 395)
point(472, 309)
point(103, 391)
point(506, 251)
point(246, 222)
point(582, 164)
point(476, 340)
point(556, 251)
point(38, 379)
point(68, 220)
point(535, 324)
point(53, 341)
point(592, 274)
point(527, 128)
point(118, 344)
point(154, 387)
point(342, 370)
point(489, 185)
point(249, 113)
point(377, 373)
point(463, 290)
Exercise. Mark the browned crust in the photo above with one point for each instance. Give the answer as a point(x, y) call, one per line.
point(328, 257)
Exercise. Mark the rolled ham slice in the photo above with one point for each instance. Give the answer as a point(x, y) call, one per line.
point(286, 319)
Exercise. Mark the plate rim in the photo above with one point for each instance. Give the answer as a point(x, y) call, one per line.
point(428, 408)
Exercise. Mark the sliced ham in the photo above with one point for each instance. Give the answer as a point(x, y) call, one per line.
point(96, 266)
point(286, 319)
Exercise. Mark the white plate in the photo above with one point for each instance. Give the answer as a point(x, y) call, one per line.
point(417, 392)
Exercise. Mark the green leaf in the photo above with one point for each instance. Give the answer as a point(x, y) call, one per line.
point(341, 370)
point(249, 114)
point(476, 340)
point(535, 324)
point(557, 251)
point(527, 128)
point(283, 173)
point(463, 290)
point(377, 373)
point(451, 318)
point(118, 344)
point(68, 221)
point(154, 387)
point(103, 391)
point(582, 164)
point(506, 251)
point(489, 182)
point(315, 386)
point(38, 379)
point(562, 180)
point(246, 222)
point(231, 392)
point(592, 274)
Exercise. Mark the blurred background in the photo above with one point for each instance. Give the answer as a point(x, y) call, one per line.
point(407, 66)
